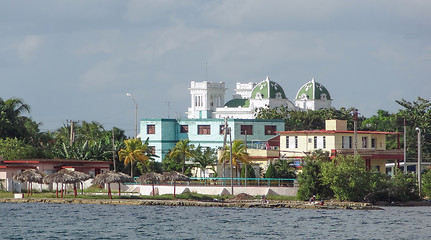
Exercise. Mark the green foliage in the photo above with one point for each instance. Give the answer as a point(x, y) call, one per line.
point(310, 180)
point(285, 169)
point(239, 155)
point(426, 184)
point(347, 177)
point(404, 187)
point(184, 150)
point(12, 148)
point(271, 172)
point(204, 157)
point(250, 172)
point(307, 120)
point(417, 114)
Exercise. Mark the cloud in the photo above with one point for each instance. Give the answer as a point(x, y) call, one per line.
point(27, 48)
point(104, 74)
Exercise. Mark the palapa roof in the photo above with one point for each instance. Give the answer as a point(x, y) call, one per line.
point(111, 177)
point(174, 176)
point(149, 177)
point(30, 175)
point(61, 177)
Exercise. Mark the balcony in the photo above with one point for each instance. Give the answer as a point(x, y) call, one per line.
point(372, 153)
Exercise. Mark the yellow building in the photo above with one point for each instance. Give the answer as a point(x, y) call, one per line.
point(336, 139)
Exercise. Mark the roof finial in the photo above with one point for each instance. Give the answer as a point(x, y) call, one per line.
point(267, 78)
point(312, 80)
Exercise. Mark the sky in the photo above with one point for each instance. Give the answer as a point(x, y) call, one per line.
point(77, 59)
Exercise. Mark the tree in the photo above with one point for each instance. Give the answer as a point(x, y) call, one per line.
point(309, 119)
point(12, 123)
point(347, 177)
point(204, 157)
point(134, 151)
point(12, 148)
point(426, 184)
point(310, 179)
point(250, 172)
point(239, 155)
point(285, 169)
point(270, 171)
point(183, 149)
point(417, 114)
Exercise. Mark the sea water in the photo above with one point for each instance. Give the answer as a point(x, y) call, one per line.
point(74, 221)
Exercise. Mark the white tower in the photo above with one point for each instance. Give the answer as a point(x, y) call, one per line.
point(205, 98)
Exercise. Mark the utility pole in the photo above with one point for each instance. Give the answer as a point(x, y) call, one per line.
point(418, 169)
point(224, 144)
point(405, 147)
point(113, 150)
point(72, 132)
point(231, 168)
point(246, 166)
point(355, 131)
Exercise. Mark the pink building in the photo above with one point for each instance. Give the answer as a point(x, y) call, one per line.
point(10, 168)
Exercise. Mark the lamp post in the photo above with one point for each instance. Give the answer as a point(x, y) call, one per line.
point(230, 162)
point(136, 114)
point(418, 170)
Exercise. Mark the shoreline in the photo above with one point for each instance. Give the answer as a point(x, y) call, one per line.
point(195, 203)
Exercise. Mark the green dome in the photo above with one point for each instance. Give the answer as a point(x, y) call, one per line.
point(268, 89)
point(313, 90)
point(240, 102)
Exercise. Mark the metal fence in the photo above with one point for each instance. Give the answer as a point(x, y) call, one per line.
point(259, 182)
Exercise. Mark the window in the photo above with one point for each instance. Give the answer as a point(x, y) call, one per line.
point(152, 149)
point(222, 130)
point(364, 142)
point(373, 143)
point(151, 129)
point(184, 128)
point(270, 130)
point(291, 142)
point(320, 142)
point(247, 129)
point(346, 142)
point(204, 129)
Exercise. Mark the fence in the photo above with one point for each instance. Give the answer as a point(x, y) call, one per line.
point(259, 182)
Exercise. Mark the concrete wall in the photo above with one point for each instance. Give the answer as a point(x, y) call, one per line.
point(209, 190)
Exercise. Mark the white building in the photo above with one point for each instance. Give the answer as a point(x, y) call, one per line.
point(208, 99)
point(313, 96)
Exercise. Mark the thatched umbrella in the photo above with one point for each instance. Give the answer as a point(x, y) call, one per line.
point(112, 177)
point(174, 176)
point(61, 177)
point(149, 177)
point(30, 176)
point(80, 176)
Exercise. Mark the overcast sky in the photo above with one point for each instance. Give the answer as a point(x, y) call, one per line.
point(77, 59)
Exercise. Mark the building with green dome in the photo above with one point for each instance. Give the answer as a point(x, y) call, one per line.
point(313, 96)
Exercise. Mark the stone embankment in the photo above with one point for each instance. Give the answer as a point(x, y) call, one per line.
point(194, 203)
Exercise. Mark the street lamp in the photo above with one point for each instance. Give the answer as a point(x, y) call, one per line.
point(418, 170)
point(230, 162)
point(136, 114)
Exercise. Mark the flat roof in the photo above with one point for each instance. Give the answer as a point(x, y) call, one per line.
point(335, 131)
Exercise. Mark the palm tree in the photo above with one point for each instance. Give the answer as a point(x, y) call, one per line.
point(239, 155)
point(11, 119)
point(134, 151)
point(183, 149)
point(204, 157)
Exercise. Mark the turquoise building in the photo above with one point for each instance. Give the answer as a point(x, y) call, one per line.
point(163, 134)
point(208, 111)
